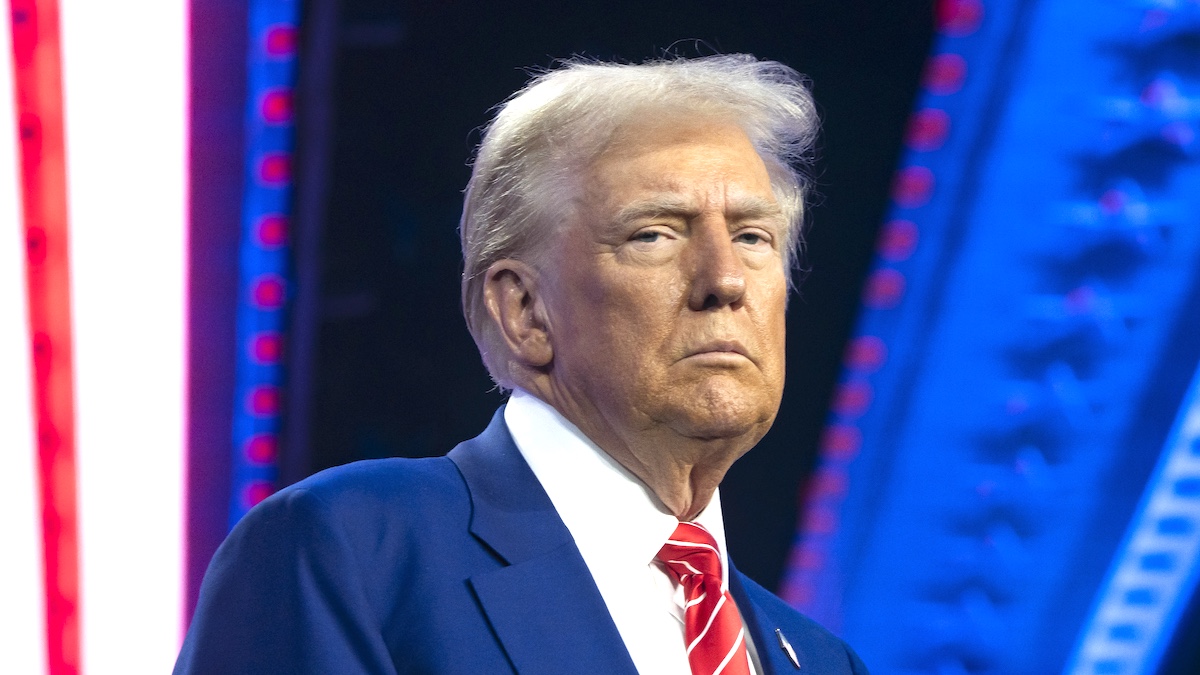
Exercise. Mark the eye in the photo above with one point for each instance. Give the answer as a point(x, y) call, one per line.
point(751, 237)
point(647, 236)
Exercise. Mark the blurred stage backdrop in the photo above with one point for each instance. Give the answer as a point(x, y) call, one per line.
point(228, 259)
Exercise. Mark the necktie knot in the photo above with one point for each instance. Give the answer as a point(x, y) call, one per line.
point(691, 555)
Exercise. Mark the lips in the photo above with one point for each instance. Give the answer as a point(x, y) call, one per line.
point(719, 347)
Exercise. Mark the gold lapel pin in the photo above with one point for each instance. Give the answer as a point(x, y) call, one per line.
point(787, 648)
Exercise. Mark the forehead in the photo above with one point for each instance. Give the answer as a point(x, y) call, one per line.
point(680, 162)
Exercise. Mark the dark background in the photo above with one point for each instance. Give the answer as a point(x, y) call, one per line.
point(396, 91)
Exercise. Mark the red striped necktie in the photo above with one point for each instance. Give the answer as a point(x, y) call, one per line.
point(716, 640)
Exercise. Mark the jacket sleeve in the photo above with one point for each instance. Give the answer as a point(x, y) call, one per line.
point(284, 594)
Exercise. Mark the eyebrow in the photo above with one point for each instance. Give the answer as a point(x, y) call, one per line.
point(742, 208)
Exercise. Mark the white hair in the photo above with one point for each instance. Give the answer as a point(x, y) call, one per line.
point(561, 121)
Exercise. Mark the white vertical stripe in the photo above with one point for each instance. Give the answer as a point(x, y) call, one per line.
point(125, 89)
point(22, 595)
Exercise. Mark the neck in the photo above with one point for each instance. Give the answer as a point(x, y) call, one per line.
point(684, 487)
point(682, 471)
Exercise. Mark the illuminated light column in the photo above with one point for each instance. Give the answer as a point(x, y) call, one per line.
point(23, 610)
point(263, 255)
point(125, 80)
point(39, 115)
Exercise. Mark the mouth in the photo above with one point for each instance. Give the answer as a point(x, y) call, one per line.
point(720, 349)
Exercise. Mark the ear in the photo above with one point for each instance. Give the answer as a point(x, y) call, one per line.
point(510, 293)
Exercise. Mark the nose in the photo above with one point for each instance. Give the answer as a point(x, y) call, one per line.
point(719, 275)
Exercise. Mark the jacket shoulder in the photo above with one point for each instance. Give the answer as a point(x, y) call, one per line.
point(393, 481)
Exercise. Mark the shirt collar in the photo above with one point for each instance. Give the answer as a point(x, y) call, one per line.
point(614, 517)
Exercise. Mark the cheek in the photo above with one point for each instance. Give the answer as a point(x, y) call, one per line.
point(633, 334)
point(634, 331)
point(600, 322)
point(775, 327)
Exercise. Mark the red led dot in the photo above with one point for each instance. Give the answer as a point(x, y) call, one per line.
point(1113, 202)
point(897, 240)
point(852, 399)
point(828, 483)
point(267, 347)
point(275, 168)
point(800, 594)
point(944, 74)
point(820, 520)
point(927, 129)
point(913, 186)
point(264, 401)
point(866, 354)
point(272, 230)
point(277, 106)
point(281, 40)
point(841, 442)
point(268, 292)
point(959, 18)
point(1160, 93)
point(1080, 301)
point(811, 559)
point(884, 289)
point(262, 449)
point(258, 491)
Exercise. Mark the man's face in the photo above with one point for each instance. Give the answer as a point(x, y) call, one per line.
point(666, 290)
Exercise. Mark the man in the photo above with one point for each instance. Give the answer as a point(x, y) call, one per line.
point(627, 235)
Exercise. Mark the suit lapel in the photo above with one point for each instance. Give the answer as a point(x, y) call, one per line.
point(771, 655)
point(544, 606)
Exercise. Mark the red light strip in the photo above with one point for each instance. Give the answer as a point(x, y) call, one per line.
point(824, 493)
point(39, 111)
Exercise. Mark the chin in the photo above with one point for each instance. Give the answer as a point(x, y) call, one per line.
point(718, 411)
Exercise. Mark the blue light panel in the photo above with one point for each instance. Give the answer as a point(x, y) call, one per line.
point(1018, 361)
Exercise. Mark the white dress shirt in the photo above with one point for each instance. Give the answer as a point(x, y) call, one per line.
point(619, 525)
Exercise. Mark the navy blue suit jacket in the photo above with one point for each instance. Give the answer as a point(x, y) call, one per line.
point(454, 564)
